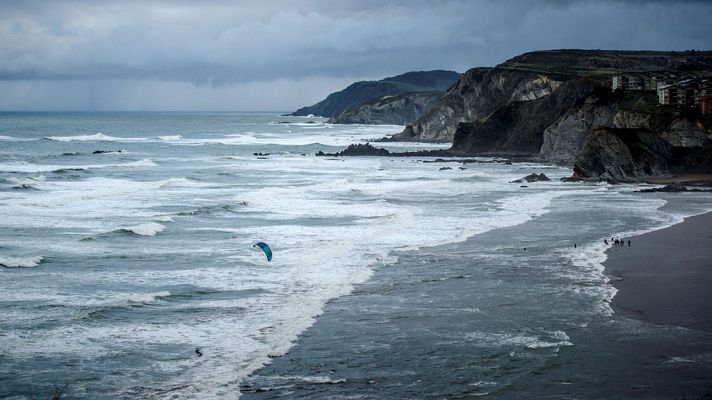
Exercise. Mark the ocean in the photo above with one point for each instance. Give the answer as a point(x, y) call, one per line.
point(128, 267)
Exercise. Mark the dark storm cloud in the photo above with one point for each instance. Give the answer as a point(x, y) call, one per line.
point(226, 43)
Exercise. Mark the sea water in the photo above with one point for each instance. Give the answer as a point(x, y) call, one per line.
point(128, 266)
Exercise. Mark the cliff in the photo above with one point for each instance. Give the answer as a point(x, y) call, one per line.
point(399, 109)
point(518, 127)
point(365, 91)
point(549, 103)
point(620, 155)
point(531, 76)
point(566, 137)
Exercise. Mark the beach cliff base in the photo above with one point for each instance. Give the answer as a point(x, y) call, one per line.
point(665, 276)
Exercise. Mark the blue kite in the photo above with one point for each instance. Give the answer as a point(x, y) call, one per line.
point(265, 247)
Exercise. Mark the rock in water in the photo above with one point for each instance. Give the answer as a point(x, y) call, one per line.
point(673, 187)
point(532, 178)
point(359, 149)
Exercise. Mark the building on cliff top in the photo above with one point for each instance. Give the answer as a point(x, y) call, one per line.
point(651, 80)
point(687, 93)
point(704, 99)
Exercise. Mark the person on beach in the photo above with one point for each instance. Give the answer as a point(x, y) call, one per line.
point(628, 243)
point(605, 241)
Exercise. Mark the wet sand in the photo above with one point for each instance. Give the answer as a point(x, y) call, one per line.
point(688, 179)
point(665, 277)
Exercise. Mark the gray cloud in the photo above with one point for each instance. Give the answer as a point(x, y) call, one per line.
point(223, 43)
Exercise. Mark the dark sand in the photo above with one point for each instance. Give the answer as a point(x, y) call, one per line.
point(689, 179)
point(666, 275)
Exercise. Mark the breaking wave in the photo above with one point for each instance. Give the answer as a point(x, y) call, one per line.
point(98, 137)
point(147, 229)
point(170, 137)
point(21, 262)
point(30, 168)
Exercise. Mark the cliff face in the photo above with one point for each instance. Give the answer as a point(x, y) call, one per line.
point(399, 109)
point(519, 126)
point(362, 92)
point(623, 154)
point(620, 155)
point(565, 138)
point(478, 93)
point(531, 76)
point(559, 105)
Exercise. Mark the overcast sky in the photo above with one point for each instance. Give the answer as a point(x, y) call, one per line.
point(281, 55)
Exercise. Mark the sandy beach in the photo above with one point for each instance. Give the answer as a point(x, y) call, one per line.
point(665, 277)
point(688, 179)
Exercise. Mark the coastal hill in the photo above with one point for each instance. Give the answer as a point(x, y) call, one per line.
point(359, 93)
point(549, 103)
point(397, 109)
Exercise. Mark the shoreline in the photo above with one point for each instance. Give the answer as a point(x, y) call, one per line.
point(665, 276)
point(687, 179)
point(444, 322)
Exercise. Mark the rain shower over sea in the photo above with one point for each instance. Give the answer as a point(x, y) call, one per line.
point(128, 266)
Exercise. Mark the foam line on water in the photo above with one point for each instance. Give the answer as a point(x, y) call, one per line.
point(146, 229)
point(590, 257)
point(98, 137)
point(32, 168)
point(20, 262)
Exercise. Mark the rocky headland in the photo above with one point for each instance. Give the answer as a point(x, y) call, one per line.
point(560, 107)
point(412, 91)
point(397, 109)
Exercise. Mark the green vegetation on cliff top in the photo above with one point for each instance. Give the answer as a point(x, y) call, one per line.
point(606, 63)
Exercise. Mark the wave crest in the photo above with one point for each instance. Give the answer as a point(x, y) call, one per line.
point(98, 137)
point(169, 138)
point(21, 262)
point(147, 229)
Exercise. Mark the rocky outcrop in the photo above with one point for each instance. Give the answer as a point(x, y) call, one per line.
point(519, 127)
point(399, 109)
point(565, 138)
point(670, 188)
point(478, 93)
point(621, 155)
point(558, 106)
point(359, 149)
point(624, 119)
point(364, 91)
point(483, 97)
point(532, 178)
point(688, 132)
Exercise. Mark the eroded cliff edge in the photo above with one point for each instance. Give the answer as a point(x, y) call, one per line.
point(550, 103)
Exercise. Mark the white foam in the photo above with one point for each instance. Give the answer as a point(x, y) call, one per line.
point(329, 223)
point(3, 137)
point(28, 181)
point(589, 258)
point(98, 205)
point(170, 138)
point(20, 262)
point(147, 298)
point(546, 340)
point(135, 164)
point(147, 229)
point(306, 134)
point(98, 137)
point(32, 168)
